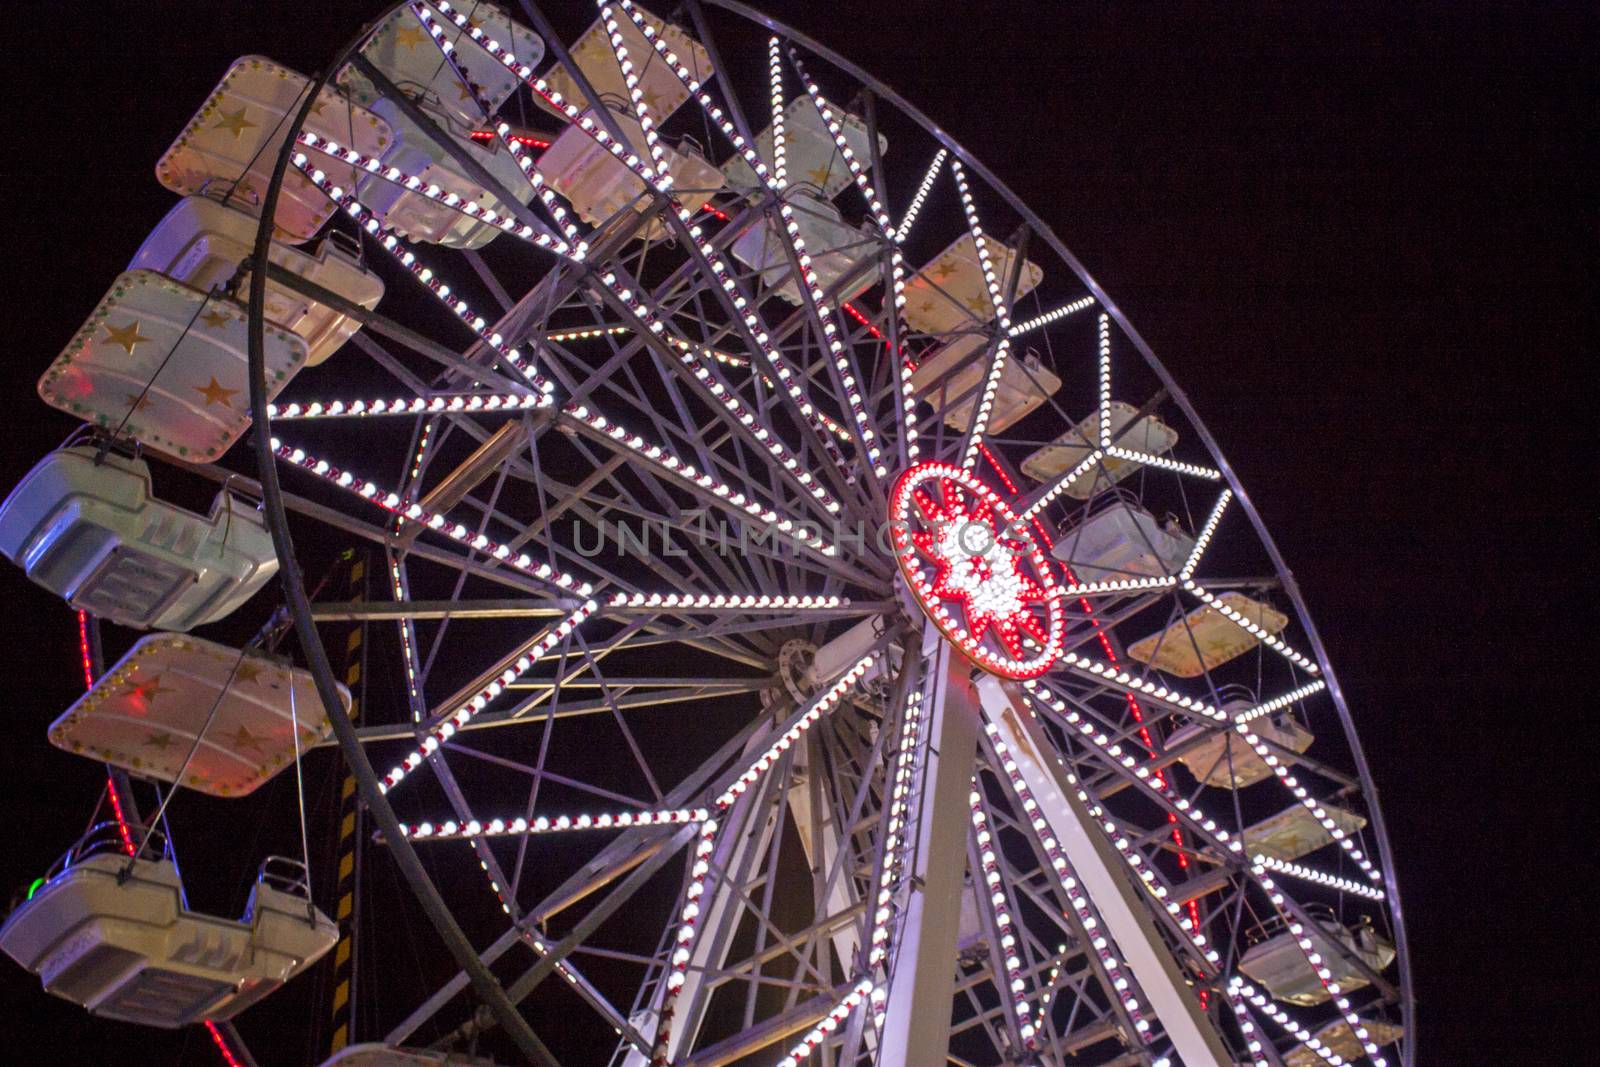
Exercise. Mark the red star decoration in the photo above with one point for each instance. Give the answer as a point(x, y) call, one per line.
point(984, 578)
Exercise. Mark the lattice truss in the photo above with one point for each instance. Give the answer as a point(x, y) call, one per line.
point(730, 785)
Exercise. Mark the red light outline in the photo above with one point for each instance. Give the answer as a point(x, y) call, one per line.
point(900, 503)
point(88, 683)
point(526, 140)
point(222, 1046)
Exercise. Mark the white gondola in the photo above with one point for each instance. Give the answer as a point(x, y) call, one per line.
point(1339, 1039)
point(949, 294)
point(175, 704)
point(168, 365)
point(1122, 540)
point(421, 218)
point(838, 250)
point(592, 52)
point(1295, 832)
point(1148, 435)
point(203, 242)
point(403, 52)
point(90, 530)
point(969, 927)
point(115, 936)
point(951, 380)
point(1279, 965)
point(1205, 638)
point(1219, 757)
point(232, 143)
point(373, 1054)
point(598, 185)
point(594, 182)
point(811, 155)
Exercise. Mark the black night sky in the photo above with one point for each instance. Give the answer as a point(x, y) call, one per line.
point(1363, 239)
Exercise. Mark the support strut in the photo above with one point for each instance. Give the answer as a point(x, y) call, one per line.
point(916, 1027)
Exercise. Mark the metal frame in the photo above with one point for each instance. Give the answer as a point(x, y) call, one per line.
point(843, 763)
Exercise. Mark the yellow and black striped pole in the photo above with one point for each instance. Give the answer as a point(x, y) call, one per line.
point(348, 847)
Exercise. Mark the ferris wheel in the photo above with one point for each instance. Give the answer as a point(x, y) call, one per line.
point(819, 628)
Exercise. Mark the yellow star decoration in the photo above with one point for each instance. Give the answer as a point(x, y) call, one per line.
point(653, 100)
point(216, 394)
point(1297, 844)
point(943, 269)
point(247, 672)
point(137, 401)
point(157, 741)
point(410, 36)
point(234, 121)
point(216, 320)
point(819, 177)
point(979, 304)
point(147, 691)
point(127, 336)
point(242, 739)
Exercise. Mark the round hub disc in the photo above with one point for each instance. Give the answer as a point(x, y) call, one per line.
point(958, 543)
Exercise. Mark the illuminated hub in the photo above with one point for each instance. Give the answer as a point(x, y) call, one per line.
point(956, 540)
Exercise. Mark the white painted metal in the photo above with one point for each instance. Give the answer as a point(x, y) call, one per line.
point(599, 186)
point(165, 364)
point(951, 379)
point(204, 242)
point(1280, 964)
point(743, 839)
point(812, 155)
point(1205, 638)
point(916, 1025)
point(222, 718)
point(839, 654)
point(1122, 540)
point(90, 529)
point(127, 948)
point(836, 248)
point(1147, 434)
point(231, 143)
point(1220, 758)
point(1295, 832)
point(819, 834)
point(1103, 873)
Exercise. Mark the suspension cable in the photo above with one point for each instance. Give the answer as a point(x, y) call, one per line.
point(300, 797)
point(193, 748)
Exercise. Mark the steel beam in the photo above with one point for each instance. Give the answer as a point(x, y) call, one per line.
point(916, 1027)
point(1102, 872)
point(745, 837)
point(768, 1033)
